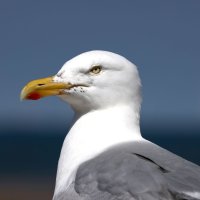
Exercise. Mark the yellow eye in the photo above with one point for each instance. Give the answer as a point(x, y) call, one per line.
point(95, 70)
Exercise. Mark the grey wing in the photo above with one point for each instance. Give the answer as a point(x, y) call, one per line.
point(138, 173)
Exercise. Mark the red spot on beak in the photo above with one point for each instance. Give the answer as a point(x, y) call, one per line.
point(33, 96)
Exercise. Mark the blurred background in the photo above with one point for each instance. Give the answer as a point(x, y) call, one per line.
point(161, 37)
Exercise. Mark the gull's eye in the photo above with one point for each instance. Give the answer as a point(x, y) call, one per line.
point(95, 70)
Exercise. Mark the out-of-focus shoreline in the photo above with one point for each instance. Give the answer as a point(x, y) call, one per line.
point(23, 188)
point(29, 161)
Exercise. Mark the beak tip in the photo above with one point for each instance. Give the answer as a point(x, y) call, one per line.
point(21, 98)
point(22, 95)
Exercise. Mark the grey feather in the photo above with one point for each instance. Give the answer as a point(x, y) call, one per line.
point(135, 171)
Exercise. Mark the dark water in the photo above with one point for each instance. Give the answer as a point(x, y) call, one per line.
point(28, 161)
point(23, 153)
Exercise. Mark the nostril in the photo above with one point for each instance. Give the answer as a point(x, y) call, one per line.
point(40, 84)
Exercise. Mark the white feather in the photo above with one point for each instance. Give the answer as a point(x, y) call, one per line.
point(107, 112)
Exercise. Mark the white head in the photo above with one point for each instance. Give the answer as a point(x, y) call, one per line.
point(91, 81)
point(106, 79)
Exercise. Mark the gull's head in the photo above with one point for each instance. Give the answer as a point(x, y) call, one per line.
point(90, 81)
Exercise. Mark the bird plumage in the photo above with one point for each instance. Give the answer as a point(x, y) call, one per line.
point(104, 156)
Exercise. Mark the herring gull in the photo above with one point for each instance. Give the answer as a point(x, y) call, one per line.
point(104, 156)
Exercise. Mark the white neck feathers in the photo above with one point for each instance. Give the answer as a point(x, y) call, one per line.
point(92, 134)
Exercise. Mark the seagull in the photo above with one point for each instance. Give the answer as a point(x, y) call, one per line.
point(104, 156)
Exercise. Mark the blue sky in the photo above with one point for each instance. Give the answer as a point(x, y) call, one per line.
point(161, 37)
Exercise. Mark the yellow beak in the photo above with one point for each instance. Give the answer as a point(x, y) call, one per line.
point(44, 87)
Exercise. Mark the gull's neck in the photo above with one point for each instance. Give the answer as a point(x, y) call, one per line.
point(93, 133)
